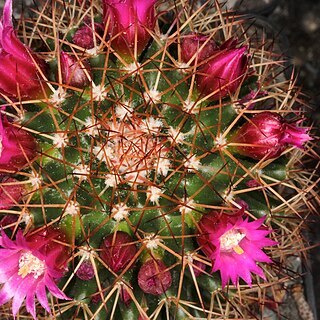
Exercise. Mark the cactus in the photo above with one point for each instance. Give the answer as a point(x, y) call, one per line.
point(155, 163)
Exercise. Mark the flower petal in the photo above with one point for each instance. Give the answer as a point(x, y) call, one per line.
point(24, 288)
point(42, 296)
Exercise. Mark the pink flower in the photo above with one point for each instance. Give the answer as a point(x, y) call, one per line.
point(117, 250)
point(234, 246)
point(72, 71)
point(154, 277)
point(224, 72)
point(17, 146)
point(128, 24)
point(267, 135)
point(10, 193)
point(29, 266)
point(19, 75)
point(197, 47)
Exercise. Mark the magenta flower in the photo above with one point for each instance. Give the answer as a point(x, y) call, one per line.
point(234, 246)
point(117, 250)
point(154, 277)
point(267, 135)
point(224, 72)
point(10, 192)
point(197, 47)
point(29, 266)
point(129, 23)
point(19, 75)
point(72, 71)
point(17, 146)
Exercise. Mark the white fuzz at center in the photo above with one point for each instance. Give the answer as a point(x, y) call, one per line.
point(99, 92)
point(82, 171)
point(123, 110)
point(120, 211)
point(132, 68)
point(220, 141)
point(153, 96)
point(155, 193)
point(72, 208)
point(192, 163)
point(60, 139)
point(190, 106)
point(92, 127)
point(152, 241)
point(28, 263)
point(230, 239)
point(35, 180)
point(188, 206)
point(58, 96)
point(175, 135)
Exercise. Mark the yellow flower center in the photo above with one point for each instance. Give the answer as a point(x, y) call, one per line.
point(28, 263)
point(230, 241)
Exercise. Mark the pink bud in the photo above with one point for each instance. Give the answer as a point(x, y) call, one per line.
point(129, 23)
point(243, 204)
point(223, 73)
point(17, 146)
point(85, 271)
point(11, 192)
point(124, 295)
point(19, 68)
point(267, 135)
point(96, 298)
point(154, 277)
point(84, 36)
point(197, 47)
point(198, 267)
point(72, 70)
point(118, 250)
point(253, 183)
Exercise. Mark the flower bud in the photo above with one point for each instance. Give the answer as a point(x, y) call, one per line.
point(85, 271)
point(197, 47)
point(17, 146)
point(19, 68)
point(198, 268)
point(154, 277)
point(124, 295)
point(118, 250)
point(128, 23)
point(72, 71)
point(223, 73)
point(10, 193)
point(267, 135)
point(84, 36)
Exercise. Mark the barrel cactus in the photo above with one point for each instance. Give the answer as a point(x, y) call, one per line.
point(154, 161)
